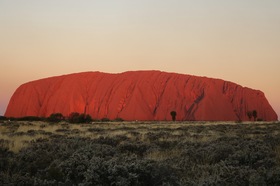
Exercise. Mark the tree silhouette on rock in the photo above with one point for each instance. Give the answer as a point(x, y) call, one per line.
point(255, 114)
point(173, 115)
point(250, 114)
point(76, 117)
point(55, 117)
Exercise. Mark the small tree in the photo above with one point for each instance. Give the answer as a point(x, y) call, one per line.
point(74, 117)
point(88, 118)
point(55, 117)
point(173, 115)
point(255, 114)
point(81, 118)
point(85, 118)
point(249, 114)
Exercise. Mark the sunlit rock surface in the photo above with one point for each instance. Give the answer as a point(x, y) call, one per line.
point(139, 95)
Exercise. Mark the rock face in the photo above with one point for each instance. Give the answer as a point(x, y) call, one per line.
point(139, 95)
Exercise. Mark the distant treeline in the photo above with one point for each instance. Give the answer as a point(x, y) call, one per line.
point(74, 117)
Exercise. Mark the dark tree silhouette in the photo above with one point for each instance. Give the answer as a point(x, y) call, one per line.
point(76, 117)
point(55, 117)
point(173, 115)
point(249, 114)
point(3, 118)
point(255, 114)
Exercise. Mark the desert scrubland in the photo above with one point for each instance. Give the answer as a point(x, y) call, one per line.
point(139, 153)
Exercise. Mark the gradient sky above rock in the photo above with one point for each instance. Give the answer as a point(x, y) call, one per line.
point(238, 41)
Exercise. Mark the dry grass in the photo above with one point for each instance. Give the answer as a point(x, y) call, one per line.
point(16, 143)
point(17, 134)
point(195, 153)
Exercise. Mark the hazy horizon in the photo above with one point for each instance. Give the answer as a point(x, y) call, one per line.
point(236, 41)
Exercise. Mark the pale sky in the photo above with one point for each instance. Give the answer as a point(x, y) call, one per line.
point(237, 41)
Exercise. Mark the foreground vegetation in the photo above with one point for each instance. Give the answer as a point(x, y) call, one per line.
point(123, 153)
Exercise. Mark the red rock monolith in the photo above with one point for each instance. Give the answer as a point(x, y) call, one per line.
point(139, 95)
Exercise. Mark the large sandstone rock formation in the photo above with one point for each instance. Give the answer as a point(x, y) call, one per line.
point(139, 95)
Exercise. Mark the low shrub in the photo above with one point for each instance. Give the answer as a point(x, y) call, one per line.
point(29, 118)
point(55, 117)
point(105, 120)
point(3, 118)
point(76, 117)
point(118, 120)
